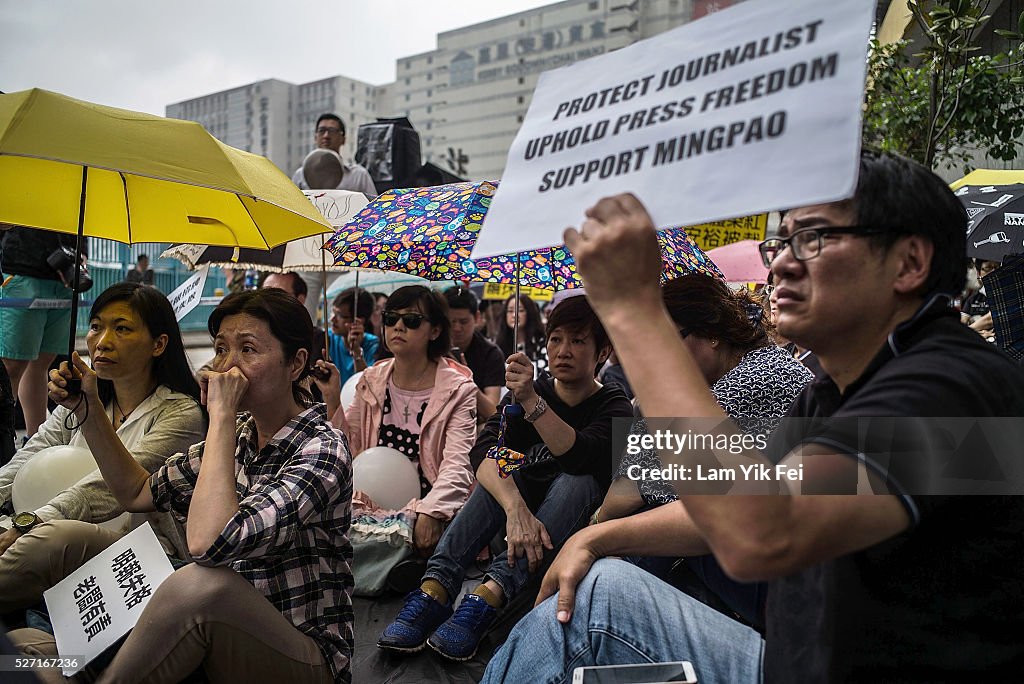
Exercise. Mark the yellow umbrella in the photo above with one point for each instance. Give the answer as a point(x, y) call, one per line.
point(989, 177)
point(77, 167)
point(144, 178)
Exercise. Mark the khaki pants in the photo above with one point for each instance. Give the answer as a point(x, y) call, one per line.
point(44, 556)
point(209, 617)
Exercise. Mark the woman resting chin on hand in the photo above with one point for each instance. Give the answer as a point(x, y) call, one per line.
point(267, 502)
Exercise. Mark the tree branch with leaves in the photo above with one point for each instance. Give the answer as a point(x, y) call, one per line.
point(945, 102)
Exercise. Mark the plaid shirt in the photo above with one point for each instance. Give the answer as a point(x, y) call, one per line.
point(1005, 289)
point(289, 538)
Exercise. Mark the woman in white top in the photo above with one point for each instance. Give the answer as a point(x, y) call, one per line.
point(150, 397)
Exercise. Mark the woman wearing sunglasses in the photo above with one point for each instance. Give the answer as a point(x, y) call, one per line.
point(425, 407)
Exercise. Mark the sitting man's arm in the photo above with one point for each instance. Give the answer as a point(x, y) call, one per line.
point(663, 531)
point(756, 537)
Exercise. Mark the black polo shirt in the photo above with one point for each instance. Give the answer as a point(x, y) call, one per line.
point(944, 600)
point(24, 251)
point(486, 361)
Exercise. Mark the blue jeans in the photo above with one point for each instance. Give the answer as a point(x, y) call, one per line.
point(626, 615)
point(566, 508)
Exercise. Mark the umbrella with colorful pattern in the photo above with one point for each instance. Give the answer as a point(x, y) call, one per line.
point(430, 232)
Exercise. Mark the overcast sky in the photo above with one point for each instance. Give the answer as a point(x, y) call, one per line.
point(146, 54)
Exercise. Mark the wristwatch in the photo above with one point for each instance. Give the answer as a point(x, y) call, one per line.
point(538, 410)
point(23, 522)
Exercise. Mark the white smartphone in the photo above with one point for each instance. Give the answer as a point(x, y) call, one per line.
point(642, 673)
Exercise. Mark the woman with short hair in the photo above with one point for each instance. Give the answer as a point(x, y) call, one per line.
point(563, 431)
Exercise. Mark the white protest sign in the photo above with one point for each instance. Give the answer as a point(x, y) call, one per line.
point(187, 295)
point(337, 206)
point(101, 601)
point(750, 109)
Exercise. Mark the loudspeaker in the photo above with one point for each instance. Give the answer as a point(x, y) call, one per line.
point(390, 151)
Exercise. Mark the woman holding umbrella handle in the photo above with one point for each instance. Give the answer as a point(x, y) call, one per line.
point(267, 502)
point(145, 404)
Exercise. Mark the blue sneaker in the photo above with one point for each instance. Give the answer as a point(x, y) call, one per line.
point(459, 637)
point(418, 619)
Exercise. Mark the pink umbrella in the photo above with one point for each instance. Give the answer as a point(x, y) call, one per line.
point(740, 262)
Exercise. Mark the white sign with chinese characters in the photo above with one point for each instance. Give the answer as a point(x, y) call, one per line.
point(187, 295)
point(750, 109)
point(101, 601)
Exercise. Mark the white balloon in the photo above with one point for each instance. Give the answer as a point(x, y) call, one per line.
point(386, 476)
point(348, 390)
point(49, 472)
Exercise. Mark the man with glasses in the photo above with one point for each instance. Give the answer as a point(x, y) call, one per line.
point(329, 134)
point(901, 585)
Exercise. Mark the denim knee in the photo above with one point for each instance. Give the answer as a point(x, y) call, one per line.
point(583, 487)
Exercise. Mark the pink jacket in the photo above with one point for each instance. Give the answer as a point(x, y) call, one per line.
point(448, 433)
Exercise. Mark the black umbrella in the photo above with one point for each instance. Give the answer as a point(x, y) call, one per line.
point(996, 220)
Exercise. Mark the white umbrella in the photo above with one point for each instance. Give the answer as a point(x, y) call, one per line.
point(305, 254)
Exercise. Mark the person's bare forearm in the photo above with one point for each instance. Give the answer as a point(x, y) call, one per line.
point(215, 499)
point(558, 435)
point(623, 498)
point(126, 479)
point(486, 403)
point(504, 490)
point(663, 531)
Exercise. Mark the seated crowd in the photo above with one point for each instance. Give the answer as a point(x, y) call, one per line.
point(247, 479)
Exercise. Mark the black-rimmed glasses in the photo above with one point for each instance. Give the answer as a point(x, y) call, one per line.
point(409, 320)
point(806, 242)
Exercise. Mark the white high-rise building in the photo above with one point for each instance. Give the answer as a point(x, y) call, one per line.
point(276, 119)
point(466, 99)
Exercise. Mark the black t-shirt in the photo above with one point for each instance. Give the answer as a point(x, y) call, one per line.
point(23, 251)
point(486, 361)
point(591, 454)
point(976, 304)
point(945, 599)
